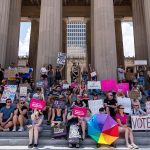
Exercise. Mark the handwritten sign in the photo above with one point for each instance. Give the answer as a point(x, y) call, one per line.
point(95, 105)
point(108, 85)
point(79, 111)
point(140, 62)
point(10, 73)
point(61, 58)
point(134, 94)
point(23, 91)
point(94, 85)
point(40, 83)
point(37, 104)
point(123, 86)
point(59, 104)
point(126, 103)
point(140, 122)
point(148, 108)
point(23, 70)
point(9, 92)
point(93, 74)
point(66, 86)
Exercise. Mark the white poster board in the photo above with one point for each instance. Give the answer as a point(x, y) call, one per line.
point(126, 103)
point(93, 74)
point(140, 62)
point(140, 122)
point(95, 105)
point(94, 85)
point(66, 86)
point(23, 91)
point(61, 58)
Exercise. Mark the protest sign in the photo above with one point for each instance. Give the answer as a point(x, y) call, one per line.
point(123, 86)
point(126, 103)
point(9, 92)
point(79, 111)
point(140, 62)
point(93, 74)
point(23, 70)
point(10, 73)
point(59, 104)
point(66, 86)
point(59, 131)
point(37, 104)
point(140, 122)
point(95, 105)
point(134, 94)
point(108, 85)
point(40, 84)
point(23, 91)
point(61, 59)
point(148, 108)
point(94, 85)
point(22, 63)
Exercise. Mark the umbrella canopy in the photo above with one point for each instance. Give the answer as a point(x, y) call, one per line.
point(103, 129)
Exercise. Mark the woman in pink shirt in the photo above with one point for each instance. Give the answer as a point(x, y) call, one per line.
point(121, 118)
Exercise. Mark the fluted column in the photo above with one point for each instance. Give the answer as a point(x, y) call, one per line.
point(140, 42)
point(4, 20)
point(33, 44)
point(119, 42)
point(49, 33)
point(103, 39)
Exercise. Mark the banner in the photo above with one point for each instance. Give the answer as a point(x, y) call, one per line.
point(95, 105)
point(23, 70)
point(23, 91)
point(59, 104)
point(123, 86)
point(140, 62)
point(134, 94)
point(79, 111)
point(126, 103)
point(37, 104)
point(93, 74)
point(61, 58)
point(148, 107)
point(9, 92)
point(94, 85)
point(10, 73)
point(66, 86)
point(140, 122)
point(108, 85)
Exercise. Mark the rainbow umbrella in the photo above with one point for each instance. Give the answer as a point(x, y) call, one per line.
point(103, 129)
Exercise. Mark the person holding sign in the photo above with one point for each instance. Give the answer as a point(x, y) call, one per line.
point(121, 118)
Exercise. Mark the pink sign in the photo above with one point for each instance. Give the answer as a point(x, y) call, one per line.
point(37, 104)
point(122, 86)
point(79, 111)
point(108, 85)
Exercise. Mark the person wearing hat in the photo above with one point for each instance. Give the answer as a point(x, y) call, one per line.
point(20, 115)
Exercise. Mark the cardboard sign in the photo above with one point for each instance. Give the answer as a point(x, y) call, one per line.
point(66, 86)
point(140, 122)
point(108, 85)
point(126, 103)
point(79, 111)
point(37, 104)
point(59, 104)
point(148, 108)
point(140, 62)
point(10, 73)
point(134, 94)
point(95, 105)
point(93, 74)
point(123, 86)
point(9, 92)
point(94, 85)
point(23, 91)
point(23, 70)
point(61, 59)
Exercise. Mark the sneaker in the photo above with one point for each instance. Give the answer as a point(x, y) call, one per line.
point(129, 146)
point(21, 129)
point(77, 145)
point(14, 129)
point(6, 130)
point(35, 145)
point(134, 146)
point(30, 146)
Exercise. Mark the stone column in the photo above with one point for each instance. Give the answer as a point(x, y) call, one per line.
point(33, 45)
point(139, 30)
point(119, 42)
point(103, 39)
point(49, 33)
point(13, 32)
point(4, 20)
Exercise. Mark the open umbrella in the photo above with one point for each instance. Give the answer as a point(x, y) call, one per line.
point(103, 129)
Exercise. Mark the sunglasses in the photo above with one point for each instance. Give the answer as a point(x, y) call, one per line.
point(9, 102)
point(22, 103)
point(110, 95)
point(136, 105)
point(121, 108)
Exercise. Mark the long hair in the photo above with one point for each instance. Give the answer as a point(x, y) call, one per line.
point(118, 107)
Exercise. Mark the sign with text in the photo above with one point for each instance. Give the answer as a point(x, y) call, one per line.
point(66, 86)
point(40, 83)
point(123, 86)
point(148, 108)
point(9, 92)
point(61, 58)
point(59, 104)
point(10, 73)
point(140, 62)
point(126, 103)
point(37, 104)
point(23, 91)
point(93, 74)
point(95, 105)
point(79, 111)
point(108, 85)
point(140, 122)
point(134, 94)
point(23, 70)
point(94, 85)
